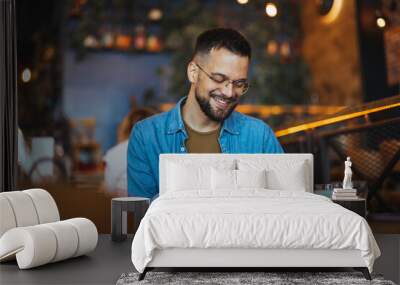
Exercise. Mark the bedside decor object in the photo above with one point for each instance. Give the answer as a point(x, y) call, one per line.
point(31, 231)
point(347, 184)
point(344, 194)
point(329, 189)
point(347, 192)
point(119, 209)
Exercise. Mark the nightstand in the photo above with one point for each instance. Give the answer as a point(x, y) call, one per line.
point(119, 209)
point(358, 206)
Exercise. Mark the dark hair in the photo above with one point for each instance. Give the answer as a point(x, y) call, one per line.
point(138, 115)
point(222, 38)
point(132, 118)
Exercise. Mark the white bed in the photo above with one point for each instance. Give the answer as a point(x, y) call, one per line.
point(198, 226)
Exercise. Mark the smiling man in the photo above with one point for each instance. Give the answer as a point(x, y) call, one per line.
point(204, 121)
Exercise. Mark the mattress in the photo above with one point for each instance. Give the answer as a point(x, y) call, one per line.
point(251, 219)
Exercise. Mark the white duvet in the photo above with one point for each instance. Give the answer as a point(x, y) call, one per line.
point(252, 218)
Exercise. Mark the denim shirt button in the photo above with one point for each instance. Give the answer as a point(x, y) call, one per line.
point(182, 149)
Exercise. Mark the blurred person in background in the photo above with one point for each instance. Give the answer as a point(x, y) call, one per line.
point(115, 159)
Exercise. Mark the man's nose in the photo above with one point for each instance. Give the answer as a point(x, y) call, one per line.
point(228, 89)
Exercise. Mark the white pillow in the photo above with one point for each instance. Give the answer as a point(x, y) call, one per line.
point(223, 179)
point(281, 174)
point(236, 179)
point(183, 178)
point(195, 174)
point(295, 180)
point(251, 178)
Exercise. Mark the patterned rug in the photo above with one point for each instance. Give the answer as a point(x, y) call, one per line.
point(242, 278)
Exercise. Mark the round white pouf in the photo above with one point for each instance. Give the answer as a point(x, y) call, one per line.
point(6, 215)
point(46, 207)
point(33, 246)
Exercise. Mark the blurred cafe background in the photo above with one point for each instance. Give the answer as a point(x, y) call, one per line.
point(325, 76)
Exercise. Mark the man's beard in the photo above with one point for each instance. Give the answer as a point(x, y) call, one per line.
point(205, 106)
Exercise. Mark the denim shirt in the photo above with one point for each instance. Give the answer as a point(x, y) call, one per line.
point(165, 133)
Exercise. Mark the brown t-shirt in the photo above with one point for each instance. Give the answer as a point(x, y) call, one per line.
point(202, 142)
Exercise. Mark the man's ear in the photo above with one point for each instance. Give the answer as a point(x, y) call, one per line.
point(192, 72)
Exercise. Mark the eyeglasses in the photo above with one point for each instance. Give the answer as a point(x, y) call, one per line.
point(240, 86)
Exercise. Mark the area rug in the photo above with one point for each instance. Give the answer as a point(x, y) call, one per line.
point(243, 278)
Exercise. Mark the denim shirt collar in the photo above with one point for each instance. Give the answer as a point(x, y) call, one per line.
point(175, 121)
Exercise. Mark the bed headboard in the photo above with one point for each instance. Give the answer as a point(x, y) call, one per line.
point(213, 158)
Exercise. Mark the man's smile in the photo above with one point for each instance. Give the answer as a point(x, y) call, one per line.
point(221, 102)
